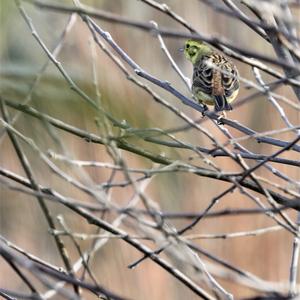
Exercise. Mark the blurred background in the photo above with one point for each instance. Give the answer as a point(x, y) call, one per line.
point(21, 221)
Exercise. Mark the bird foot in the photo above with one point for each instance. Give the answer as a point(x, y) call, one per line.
point(219, 120)
point(205, 108)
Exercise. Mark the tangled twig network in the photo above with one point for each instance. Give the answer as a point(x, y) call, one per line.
point(142, 192)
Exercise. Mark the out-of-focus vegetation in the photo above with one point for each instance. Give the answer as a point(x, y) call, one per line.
point(21, 220)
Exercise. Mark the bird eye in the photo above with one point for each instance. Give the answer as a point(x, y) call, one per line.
point(193, 51)
point(187, 46)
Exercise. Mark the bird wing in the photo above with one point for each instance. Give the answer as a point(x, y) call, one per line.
point(202, 77)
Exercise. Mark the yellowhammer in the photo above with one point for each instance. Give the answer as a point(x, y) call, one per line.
point(215, 78)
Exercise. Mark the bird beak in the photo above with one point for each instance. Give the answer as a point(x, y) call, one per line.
point(181, 49)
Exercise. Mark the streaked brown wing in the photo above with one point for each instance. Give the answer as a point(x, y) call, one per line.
point(229, 78)
point(202, 77)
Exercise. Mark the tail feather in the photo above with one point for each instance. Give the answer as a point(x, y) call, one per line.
point(221, 103)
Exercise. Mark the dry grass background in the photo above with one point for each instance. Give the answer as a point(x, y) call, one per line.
point(268, 256)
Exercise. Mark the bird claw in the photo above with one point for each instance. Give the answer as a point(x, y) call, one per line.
point(223, 115)
point(219, 120)
point(205, 108)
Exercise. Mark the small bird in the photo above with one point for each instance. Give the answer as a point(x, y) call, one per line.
point(215, 78)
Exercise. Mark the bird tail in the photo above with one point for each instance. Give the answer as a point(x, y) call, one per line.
point(221, 103)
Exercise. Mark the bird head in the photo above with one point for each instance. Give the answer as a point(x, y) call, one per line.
point(194, 50)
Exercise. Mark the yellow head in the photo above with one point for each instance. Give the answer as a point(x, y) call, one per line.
point(194, 50)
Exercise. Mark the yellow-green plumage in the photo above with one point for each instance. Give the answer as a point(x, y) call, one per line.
point(215, 78)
